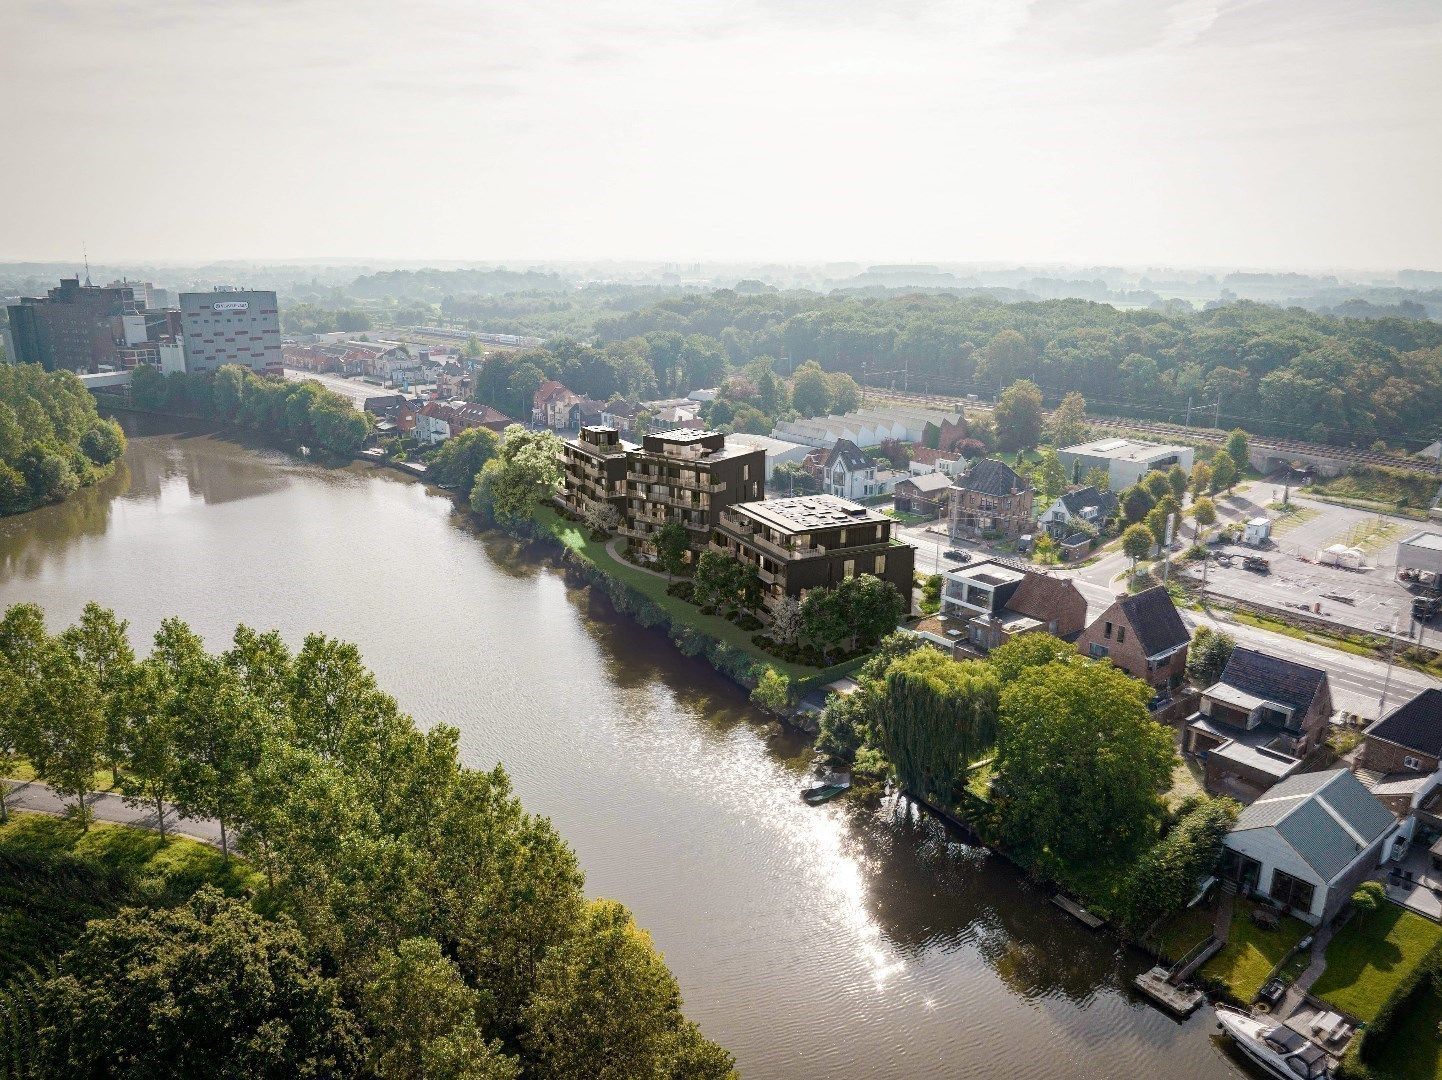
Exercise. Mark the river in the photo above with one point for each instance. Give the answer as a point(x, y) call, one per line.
point(840, 940)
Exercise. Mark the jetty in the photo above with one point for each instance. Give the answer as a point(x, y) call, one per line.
point(1072, 908)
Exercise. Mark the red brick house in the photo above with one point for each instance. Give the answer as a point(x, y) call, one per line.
point(991, 499)
point(1144, 636)
point(551, 405)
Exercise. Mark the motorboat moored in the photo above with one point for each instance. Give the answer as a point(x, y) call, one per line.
point(1278, 1049)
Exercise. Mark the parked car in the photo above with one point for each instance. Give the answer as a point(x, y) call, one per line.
point(957, 555)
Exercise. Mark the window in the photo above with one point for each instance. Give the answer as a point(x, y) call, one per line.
point(1099, 651)
point(1410, 762)
point(746, 471)
point(880, 565)
point(1121, 634)
point(849, 568)
point(1108, 631)
point(1291, 892)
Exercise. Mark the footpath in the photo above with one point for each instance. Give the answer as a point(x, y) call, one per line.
point(41, 798)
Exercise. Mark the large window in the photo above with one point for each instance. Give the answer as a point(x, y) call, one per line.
point(1291, 892)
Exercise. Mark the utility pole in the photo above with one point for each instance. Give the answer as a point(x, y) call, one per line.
point(1387, 682)
point(1217, 425)
point(1189, 410)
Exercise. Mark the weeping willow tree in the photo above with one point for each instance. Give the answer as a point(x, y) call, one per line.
point(936, 716)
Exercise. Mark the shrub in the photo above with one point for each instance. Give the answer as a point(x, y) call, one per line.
point(1369, 896)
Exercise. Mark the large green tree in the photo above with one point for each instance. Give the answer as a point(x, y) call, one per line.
point(525, 471)
point(1018, 416)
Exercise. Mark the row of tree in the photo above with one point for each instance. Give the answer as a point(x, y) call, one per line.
point(302, 412)
point(430, 927)
point(52, 439)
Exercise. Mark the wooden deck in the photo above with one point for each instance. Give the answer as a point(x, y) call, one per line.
point(1071, 907)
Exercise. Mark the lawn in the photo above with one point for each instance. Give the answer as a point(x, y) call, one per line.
point(1371, 955)
point(578, 539)
point(1251, 953)
point(1411, 1049)
point(1183, 932)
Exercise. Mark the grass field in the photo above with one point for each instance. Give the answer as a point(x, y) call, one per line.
point(1371, 955)
point(1412, 1049)
point(1183, 932)
point(1251, 953)
point(54, 877)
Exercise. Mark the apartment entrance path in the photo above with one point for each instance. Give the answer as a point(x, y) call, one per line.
point(613, 546)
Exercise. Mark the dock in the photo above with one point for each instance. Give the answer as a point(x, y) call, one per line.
point(1156, 984)
point(1072, 908)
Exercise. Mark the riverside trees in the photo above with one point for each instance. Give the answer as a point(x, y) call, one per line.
point(52, 439)
point(453, 924)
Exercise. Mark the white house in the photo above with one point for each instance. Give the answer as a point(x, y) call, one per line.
point(1308, 842)
point(1086, 505)
point(849, 475)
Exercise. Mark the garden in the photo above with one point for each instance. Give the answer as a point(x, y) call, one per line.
point(1371, 956)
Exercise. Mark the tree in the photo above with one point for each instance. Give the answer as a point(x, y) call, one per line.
point(824, 620)
point(810, 390)
point(1018, 417)
point(1137, 543)
point(786, 620)
point(1169, 874)
point(1208, 656)
point(934, 718)
point(151, 761)
point(206, 989)
point(606, 1008)
point(1137, 503)
point(1069, 423)
point(1080, 765)
point(69, 726)
point(1050, 476)
point(871, 607)
point(1160, 515)
point(1237, 448)
point(602, 518)
point(1177, 480)
point(1045, 550)
point(1201, 478)
point(845, 392)
point(425, 1021)
point(1098, 478)
point(673, 547)
point(525, 470)
point(772, 691)
point(1006, 358)
point(1035, 649)
point(99, 643)
point(1157, 484)
point(462, 456)
point(718, 581)
point(1204, 513)
point(1224, 472)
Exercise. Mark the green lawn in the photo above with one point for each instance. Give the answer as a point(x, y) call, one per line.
point(1251, 953)
point(1371, 955)
point(1183, 932)
point(578, 539)
point(1412, 1050)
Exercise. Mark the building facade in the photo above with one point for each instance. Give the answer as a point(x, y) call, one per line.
point(1144, 636)
point(687, 477)
point(231, 326)
point(813, 541)
point(72, 327)
point(990, 499)
point(594, 466)
point(988, 603)
point(1126, 461)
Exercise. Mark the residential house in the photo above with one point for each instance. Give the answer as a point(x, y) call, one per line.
point(988, 603)
point(551, 405)
point(620, 414)
point(594, 466)
point(688, 477)
point(1082, 506)
point(1307, 843)
point(849, 474)
point(1401, 755)
point(990, 499)
point(585, 412)
point(1144, 636)
point(813, 541)
point(927, 495)
point(438, 421)
point(926, 460)
point(1254, 725)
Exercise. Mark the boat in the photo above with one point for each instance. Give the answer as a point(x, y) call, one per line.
point(1278, 1049)
point(831, 785)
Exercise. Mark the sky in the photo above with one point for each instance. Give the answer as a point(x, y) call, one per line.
point(1236, 133)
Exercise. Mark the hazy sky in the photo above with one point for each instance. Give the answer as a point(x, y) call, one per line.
point(1228, 132)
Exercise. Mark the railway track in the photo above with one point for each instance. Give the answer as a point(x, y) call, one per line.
point(1280, 446)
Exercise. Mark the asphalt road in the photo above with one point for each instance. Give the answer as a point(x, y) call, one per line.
point(41, 799)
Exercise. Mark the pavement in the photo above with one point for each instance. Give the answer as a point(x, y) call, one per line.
point(358, 392)
point(42, 799)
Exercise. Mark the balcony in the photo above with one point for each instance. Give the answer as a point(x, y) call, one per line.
point(648, 479)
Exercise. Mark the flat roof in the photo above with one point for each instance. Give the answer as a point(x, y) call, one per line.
point(1430, 540)
point(986, 573)
point(1230, 695)
point(684, 435)
point(806, 512)
point(1271, 762)
point(1124, 449)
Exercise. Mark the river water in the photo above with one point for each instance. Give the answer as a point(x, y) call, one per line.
point(845, 940)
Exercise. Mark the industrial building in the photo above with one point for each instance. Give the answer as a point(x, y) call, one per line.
point(231, 326)
point(1419, 560)
point(1125, 460)
point(70, 328)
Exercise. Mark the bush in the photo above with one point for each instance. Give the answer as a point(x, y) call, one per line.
point(1370, 895)
point(683, 590)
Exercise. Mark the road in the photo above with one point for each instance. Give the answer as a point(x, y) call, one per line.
point(354, 389)
point(41, 799)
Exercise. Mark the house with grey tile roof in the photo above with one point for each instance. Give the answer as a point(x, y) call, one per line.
point(1309, 842)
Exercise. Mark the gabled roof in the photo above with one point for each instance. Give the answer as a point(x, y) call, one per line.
point(1078, 500)
point(928, 482)
point(928, 456)
point(1154, 619)
point(622, 407)
point(1327, 818)
point(550, 391)
point(1274, 679)
point(991, 477)
point(1046, 598)
point(1416, 724)
point(849, 454)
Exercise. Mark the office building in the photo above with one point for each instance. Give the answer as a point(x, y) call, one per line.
point(71, 327)
point(231, 326)
point(1125, 461)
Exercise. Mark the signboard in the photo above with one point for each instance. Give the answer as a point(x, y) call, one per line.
point(230, 305)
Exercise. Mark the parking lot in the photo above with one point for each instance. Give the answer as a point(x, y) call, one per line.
point(1369, 599)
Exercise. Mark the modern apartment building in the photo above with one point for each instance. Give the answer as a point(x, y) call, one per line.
point(71, 328)
point(813, 541)
point(595, 465)
point(231, 326)
point(688, 477)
